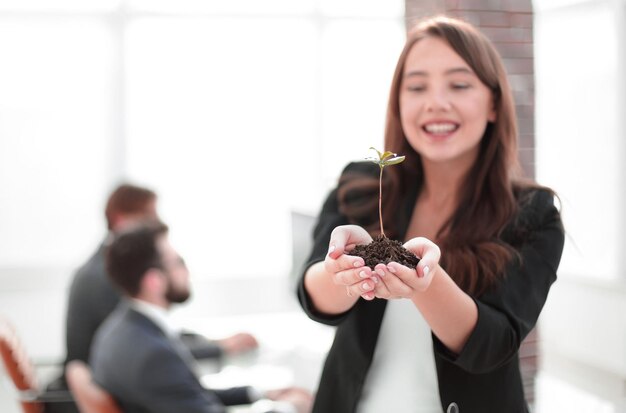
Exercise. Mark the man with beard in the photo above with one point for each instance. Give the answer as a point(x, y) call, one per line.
point(92, 296)
point(137, 354)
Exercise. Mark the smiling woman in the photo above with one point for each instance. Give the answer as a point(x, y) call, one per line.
point(458, 318)
point(445, 107)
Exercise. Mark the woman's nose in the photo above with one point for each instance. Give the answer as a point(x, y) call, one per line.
point(437, 100)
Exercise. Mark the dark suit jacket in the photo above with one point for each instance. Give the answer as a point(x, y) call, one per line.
point(92, 298)
point(140, 366)
point(485, 376)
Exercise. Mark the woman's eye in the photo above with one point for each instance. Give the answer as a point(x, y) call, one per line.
point(460, 86)
point(416, 88)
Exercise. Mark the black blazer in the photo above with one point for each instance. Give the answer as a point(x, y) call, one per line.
point(485, 376)
point(140, 366)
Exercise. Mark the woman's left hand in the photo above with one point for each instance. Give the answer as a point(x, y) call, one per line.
point(398, 281)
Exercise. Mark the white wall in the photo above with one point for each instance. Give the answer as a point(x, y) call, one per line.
point(580, 52)
point(581, 145)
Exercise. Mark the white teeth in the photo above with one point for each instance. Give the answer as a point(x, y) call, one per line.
point(440, 127)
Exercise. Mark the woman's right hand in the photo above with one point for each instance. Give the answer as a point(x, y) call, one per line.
point(348, 270)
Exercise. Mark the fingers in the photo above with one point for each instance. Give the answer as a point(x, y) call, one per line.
point(396, 285)
point(386, 281)
point(429, 253)
point(383, 284)
point(344, 238)
point(343, 263)
point(347, 269)
point(365, 288)
point(382, 290)
point(411, 278)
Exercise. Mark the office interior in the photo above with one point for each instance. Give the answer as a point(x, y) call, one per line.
point(241, 115)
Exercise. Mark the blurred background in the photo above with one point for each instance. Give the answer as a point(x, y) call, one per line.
point(241, 114)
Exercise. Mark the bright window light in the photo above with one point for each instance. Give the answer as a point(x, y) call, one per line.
point(56, 105)
point(235, 113)
point(240, 7)
point(56, 6)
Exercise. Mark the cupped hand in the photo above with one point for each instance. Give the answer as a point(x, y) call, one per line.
point(350, 271)
point(398, 281)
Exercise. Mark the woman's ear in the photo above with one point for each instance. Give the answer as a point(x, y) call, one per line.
point(493, 115)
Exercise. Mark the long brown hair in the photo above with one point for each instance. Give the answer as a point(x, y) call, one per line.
point(472, 252)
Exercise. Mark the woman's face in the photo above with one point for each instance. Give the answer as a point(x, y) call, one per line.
point(444, 107)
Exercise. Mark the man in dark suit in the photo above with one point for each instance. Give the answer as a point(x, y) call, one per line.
point(137, 354)
point(93, 297)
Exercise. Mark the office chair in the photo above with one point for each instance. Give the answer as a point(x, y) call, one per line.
point(89, 396)
point(22, 372)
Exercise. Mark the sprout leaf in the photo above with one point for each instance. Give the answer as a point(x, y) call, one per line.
point(393, 161)
point(384, 159)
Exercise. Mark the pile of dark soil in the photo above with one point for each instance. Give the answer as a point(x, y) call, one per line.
point(383, 250)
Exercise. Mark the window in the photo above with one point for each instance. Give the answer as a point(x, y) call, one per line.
point(234, 112)
point(580, 132)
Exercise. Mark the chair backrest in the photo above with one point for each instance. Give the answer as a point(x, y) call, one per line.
point(89, 396)
point(19, 367)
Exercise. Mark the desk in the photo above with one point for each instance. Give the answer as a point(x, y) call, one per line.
point(292, 350)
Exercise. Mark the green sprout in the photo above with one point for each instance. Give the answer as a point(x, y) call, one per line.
point(384, 159)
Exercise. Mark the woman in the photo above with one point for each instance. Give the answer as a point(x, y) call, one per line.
point(445, 335)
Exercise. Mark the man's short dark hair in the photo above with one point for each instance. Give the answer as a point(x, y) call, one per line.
point(132, 253)
point(127, 199)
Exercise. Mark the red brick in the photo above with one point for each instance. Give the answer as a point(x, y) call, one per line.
point(524, 6)
point(468, 16)
point(519, 66)
point(482, 18)
point(522, 82)
point(523, 97)
point(530, 350)
point(526, 126)
point(526, 143)
point(494, 19)
point(525, 111)
point(493, 5)
point(415, 10)
point(515, 50)
point(527, 159)
point(508, 35)
point(521, 19)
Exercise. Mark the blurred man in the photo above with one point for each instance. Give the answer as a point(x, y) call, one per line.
point(93, 297)
point(137, 354)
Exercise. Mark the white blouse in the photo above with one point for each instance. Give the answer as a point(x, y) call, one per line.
point(402, 377)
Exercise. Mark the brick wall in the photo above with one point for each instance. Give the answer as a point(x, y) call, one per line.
point(509, 25)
